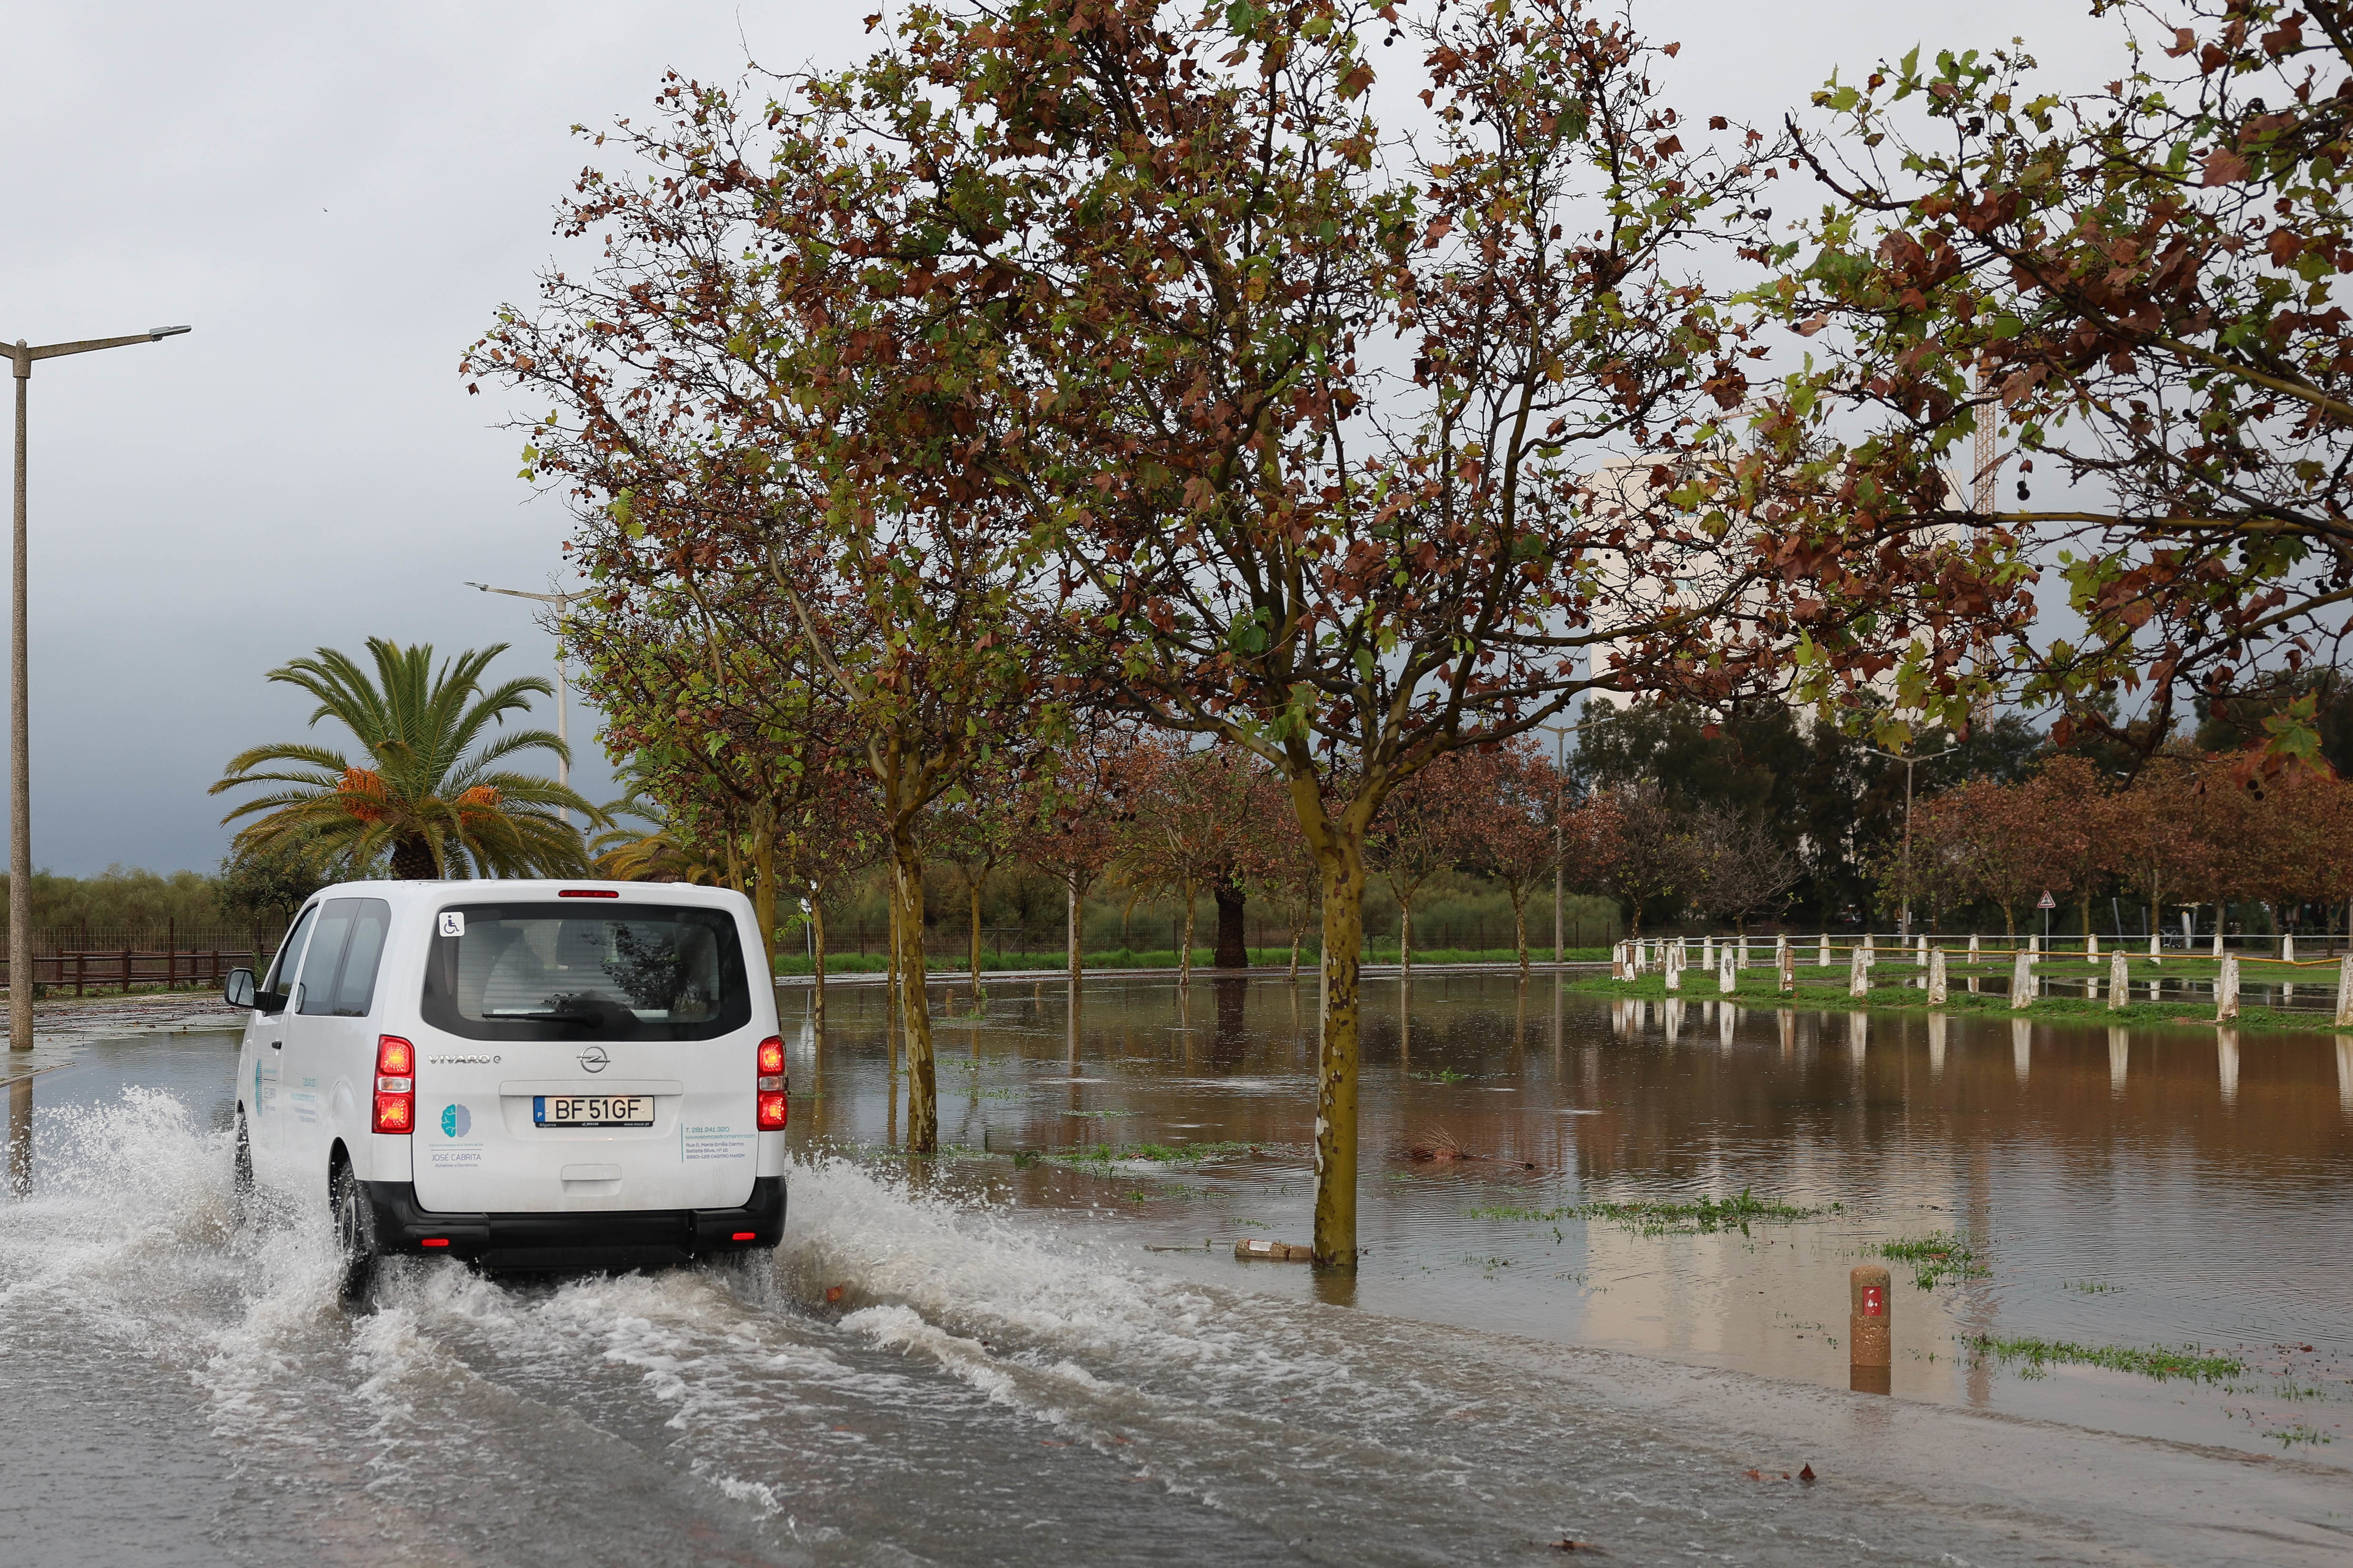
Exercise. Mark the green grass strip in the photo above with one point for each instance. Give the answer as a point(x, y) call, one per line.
point(1661, 1217)
point(1936, 1258)
point(1109, 1154)
point(2158, 1362)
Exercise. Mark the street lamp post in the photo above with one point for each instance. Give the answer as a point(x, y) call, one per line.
point(22, 355)
point(561, 602)
point(1904, 921)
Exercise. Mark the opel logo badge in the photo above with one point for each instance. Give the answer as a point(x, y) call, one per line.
point(594, 1059)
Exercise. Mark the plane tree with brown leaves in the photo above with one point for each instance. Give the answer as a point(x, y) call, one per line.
point(2131, 289)
point(1342, 449)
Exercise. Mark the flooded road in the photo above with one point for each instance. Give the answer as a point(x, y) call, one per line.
point(979, 1359)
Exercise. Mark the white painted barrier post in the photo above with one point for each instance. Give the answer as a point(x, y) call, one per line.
point(2287, 946)
point(1824, 960)
point(2092, 947)
point(1707, 951)
point(2226, 990)
point(2021, 979)
point(1858, 975)
point(2156, 949)
point(1726, 980)
point(1674, 969)
point(1937, 980)
point(2119, 981)
point(1870, 956)
point(2344, 990)
point(1975, 950)
point(1923, 951)
point(1785, 960)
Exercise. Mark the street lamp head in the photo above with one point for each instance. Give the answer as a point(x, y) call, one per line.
point(157, 333)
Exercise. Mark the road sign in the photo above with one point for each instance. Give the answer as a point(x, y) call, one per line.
point(2048, 903)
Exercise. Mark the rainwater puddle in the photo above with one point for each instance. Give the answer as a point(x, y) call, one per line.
point(976, 1360)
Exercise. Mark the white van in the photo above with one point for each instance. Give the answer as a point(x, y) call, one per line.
point(534, 1075)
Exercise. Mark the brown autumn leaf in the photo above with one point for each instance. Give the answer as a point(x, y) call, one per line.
point(2224, 167)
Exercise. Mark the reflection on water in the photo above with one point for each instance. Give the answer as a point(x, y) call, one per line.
point(975, 1359)
point(2119, 1186)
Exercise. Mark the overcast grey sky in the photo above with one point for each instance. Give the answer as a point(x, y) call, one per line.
point(337, 198)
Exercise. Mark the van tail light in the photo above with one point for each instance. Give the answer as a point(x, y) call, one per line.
point(396, 1085)
point(775, 1108)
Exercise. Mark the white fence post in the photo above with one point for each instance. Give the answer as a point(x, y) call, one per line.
point(2344, 990)
point(1858, 977)
point(2021, 979)
point(1786, 961)
point(1824, 960)
point(2119, 981)
point(1937, 980)
point(2226, 990)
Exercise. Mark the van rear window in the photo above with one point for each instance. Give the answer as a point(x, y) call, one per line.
point(557, 972)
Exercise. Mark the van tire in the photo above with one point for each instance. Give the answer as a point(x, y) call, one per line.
point(355, 1243)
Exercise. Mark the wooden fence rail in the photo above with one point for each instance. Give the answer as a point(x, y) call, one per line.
point(125, 969)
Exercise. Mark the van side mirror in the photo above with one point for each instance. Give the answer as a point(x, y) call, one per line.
point(237, 989)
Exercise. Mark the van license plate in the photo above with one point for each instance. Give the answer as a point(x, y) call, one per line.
point(593, 1109)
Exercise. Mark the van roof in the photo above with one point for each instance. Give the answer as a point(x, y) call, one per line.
point(440, 891)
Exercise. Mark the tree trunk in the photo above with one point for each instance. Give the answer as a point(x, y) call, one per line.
point(891, 998)
point(1520, 928)
point(1294, 953)
point(1342, 858)
point(1405, 939)
point(923, 1081)
point(1232, 953)
point(1072, 920)
point(974, 888)
point(412, 861)
point(2009, 923)
point(1185, 956)
point(817, 930)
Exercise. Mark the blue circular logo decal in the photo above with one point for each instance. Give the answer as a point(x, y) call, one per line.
point(455, 1122)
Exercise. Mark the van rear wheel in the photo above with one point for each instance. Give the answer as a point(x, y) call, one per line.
point(355, 1244)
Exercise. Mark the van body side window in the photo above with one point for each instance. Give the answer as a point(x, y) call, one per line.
point(354, 987)
point(288, 953)
point(316, 993)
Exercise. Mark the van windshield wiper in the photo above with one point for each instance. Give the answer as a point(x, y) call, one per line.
point(564, 1016)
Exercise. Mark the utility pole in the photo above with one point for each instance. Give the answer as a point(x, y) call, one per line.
point(22, 355)
point(561, 602)
point(1560, 734)
point(1904, 921)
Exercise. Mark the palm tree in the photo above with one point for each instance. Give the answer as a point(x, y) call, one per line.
point(659, 854)
point(427, 796)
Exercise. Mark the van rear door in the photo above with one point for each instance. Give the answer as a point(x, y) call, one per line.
point(580, 1056)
